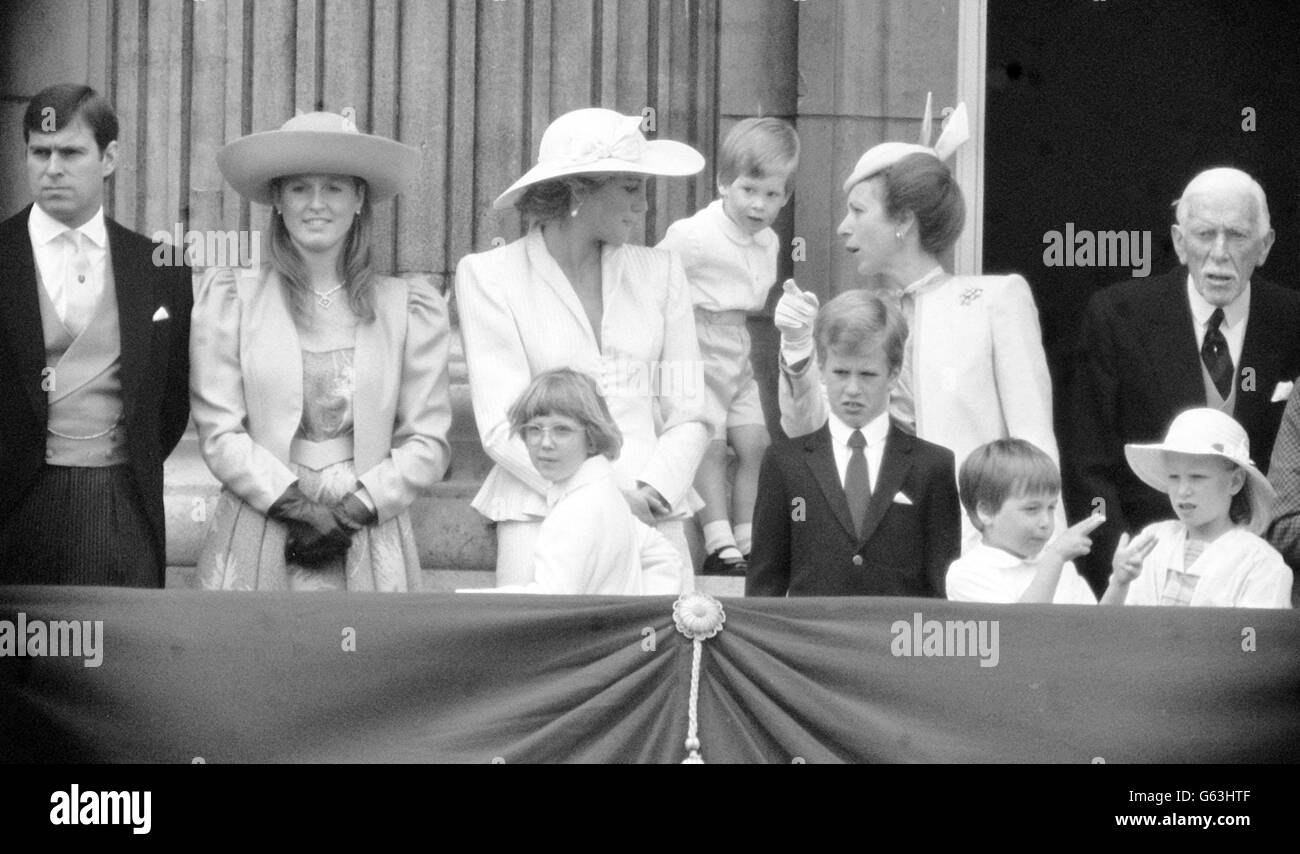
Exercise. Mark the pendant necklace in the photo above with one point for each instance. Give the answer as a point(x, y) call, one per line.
point(324, 298)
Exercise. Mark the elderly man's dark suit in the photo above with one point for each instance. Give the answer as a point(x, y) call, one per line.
point(153, 304)
point(1138, 366)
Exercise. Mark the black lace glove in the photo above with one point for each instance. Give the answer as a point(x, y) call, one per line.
point(315, 535)
point(352, 514)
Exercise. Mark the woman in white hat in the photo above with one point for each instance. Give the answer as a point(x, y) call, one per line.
point(1212, 554)
point(319, 388)
point(572, 292)
point(974, 370)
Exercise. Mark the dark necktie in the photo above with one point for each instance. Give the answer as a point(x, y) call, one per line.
point(1215, 355)
point(857, 482)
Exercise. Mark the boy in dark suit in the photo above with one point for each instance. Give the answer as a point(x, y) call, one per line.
point(859, 507)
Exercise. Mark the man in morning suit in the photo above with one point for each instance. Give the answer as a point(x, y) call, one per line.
point(859, 507)
point(94, 364)
point(1208, 333)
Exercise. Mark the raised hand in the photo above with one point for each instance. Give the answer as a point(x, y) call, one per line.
point(1074, 542)
point(794, 316)
point(1127, 563)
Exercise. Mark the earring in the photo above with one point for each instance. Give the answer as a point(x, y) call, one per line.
point(898, 235)
point(574, 211)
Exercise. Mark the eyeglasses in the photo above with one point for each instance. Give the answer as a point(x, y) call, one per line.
point(559, 433)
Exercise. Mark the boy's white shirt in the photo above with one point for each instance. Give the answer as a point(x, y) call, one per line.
point(989, 574)
point(1237, 570)
point(728, 268)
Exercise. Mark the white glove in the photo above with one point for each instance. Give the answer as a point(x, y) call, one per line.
point(794, 316)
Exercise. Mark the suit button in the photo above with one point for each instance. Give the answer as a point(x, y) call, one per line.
point(49, 454)
point(857, 560)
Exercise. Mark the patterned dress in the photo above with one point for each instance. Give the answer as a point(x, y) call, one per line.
point(245, 551)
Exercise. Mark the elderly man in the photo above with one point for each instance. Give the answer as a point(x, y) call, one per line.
point(94, 364)
point(1208, 333)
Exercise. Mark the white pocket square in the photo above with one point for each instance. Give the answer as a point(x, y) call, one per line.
point(901, 498)
point(1282, 392)
point(161, 314)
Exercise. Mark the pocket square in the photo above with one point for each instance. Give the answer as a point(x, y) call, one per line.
point(1282, 392)
point(901, 498)
point(161, 314)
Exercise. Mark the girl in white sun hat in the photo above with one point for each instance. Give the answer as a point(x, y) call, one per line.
point(1212, 554)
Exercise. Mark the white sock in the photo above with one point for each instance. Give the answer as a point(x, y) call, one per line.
point(745, 537)
point(717, 535)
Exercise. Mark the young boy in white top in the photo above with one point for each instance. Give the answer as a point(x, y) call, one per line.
point(1010, 489)
point(729, 251)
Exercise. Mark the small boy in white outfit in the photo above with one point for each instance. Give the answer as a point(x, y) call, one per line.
point(729, 251)
point(1010, 489)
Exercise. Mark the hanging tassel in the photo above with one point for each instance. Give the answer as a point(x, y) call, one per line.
point(698, 616)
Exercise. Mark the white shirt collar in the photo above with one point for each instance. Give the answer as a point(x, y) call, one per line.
point(592, 469)
point(44, 228)
point(1233, 313)
point(874, 431)
point(734, 232)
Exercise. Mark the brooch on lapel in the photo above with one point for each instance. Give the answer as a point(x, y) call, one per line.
point(969, 295)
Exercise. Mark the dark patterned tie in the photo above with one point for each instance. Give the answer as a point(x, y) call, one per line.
point(857, 481)
point(1215, 355)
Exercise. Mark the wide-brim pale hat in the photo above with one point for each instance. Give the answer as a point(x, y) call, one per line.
point(317, 144)
point(1205, 432)
point(598, 140)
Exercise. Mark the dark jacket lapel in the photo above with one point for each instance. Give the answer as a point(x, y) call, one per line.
point(821, 462)
point(132, 279)
point(1172, 332)
point(895, 465)
point(21, 310)
point(1261, 351)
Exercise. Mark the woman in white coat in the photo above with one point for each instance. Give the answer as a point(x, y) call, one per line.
point(573, 293)
point(974, 369)
point(320, 389)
